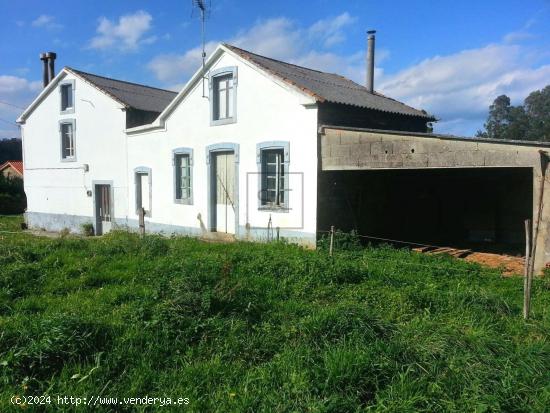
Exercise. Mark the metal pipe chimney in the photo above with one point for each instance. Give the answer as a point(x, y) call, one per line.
point(51, 65)
point(45, 77)
point(370, 60)
point(48, 67)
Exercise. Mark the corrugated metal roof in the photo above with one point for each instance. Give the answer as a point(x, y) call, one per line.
point(130, 94)
point(329, 87)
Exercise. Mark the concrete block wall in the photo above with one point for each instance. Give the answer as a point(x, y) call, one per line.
point(357, 149)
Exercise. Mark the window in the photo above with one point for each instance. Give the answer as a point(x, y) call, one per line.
point(143, 190)
point(67, 130)
point(223, 97)
point(66, 90)
point(183, 175)
point(273, 166)
point(223, 84)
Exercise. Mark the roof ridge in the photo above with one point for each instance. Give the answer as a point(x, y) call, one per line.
point(118, 80)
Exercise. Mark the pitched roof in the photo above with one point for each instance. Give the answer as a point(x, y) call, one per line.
point(17, 165)
point(329, 87)
point(132, 95)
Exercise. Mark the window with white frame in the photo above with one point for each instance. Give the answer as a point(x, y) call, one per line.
point(274, 176)
point(67, 96)
point(67, 131)
point(223, 84)
point(183, 175)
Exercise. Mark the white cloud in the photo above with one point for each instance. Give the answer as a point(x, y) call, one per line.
point(330, 31)
point(46, 21)
point(126, 35)
point(279, 38)
point(17, 93)
point(459, 88)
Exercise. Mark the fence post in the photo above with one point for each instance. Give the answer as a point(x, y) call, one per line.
point(527, 271)
point(331, 240)
point(278, 229)
point(142, 222)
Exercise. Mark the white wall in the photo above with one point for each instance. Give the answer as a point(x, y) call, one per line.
point(56, 187)
point(266, 111)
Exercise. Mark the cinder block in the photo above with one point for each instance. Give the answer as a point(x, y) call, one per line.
point(349, 138)
point(441, 160)
point(339, 151)
point(500, 158)
point(414, 160)
point(469, 158)
point(361, 149)
point(381, 148)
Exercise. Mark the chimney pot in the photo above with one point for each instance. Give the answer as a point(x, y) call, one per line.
point(51, 65)
point(45, 76)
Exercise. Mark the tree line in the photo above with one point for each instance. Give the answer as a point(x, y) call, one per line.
point(530, 121)
point(10, 150)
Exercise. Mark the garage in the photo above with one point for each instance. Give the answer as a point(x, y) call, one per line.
point(423, 188)
point(483, 209)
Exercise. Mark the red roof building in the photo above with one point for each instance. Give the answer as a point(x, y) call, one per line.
point(12, 169)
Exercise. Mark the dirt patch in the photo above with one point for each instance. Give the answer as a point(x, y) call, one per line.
point(509, 264)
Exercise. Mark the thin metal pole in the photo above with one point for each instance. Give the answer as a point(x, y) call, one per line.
point(331, 240)
point(527, 272)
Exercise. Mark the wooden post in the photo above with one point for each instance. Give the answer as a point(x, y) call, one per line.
point(331, 240)
point(527, 277)
point(142, 222)
point(534, 238)
point(278, 233)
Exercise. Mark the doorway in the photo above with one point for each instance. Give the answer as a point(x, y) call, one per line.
point(223, 192)
point(103, 208)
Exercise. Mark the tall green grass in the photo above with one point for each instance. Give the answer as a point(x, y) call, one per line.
point(266, 328)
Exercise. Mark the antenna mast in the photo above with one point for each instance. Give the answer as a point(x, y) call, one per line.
point(204, 10)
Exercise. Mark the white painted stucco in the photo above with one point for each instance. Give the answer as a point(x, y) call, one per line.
point(54, 186)
point(267, 110)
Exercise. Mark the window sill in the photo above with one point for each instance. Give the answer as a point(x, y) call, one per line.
point(67, 111)
point(216, 122)
point(72, 159)
point(277, 209)
point(183, 201)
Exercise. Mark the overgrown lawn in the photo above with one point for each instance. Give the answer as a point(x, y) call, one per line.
point(265, 328)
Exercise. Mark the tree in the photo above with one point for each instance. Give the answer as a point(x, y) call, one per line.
point(537, 108)
point(10, 150)
point(530, 121)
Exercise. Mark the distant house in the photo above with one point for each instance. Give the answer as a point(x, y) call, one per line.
point(12, 169)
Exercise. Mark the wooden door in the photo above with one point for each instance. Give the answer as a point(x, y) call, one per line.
point(224, 192)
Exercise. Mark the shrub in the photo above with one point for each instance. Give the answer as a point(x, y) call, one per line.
point(88, 229)
point(343, 241)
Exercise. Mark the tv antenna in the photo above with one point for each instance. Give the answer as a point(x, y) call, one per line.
point(204, 7)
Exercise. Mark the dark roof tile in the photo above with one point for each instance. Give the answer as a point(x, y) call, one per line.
point(131, 94)
point(329, 87)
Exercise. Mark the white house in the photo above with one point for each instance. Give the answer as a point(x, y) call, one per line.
point(236, 152)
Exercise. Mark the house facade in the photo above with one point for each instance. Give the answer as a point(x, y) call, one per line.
point(254, 148)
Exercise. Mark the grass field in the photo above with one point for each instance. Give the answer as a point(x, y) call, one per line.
point(265, 328)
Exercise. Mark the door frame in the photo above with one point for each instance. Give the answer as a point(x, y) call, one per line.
point(95, 199)
point(211, 150)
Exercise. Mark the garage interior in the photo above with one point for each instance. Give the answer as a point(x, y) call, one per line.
point(482, 209)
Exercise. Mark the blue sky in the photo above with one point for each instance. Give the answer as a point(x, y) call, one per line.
point(450, 58)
